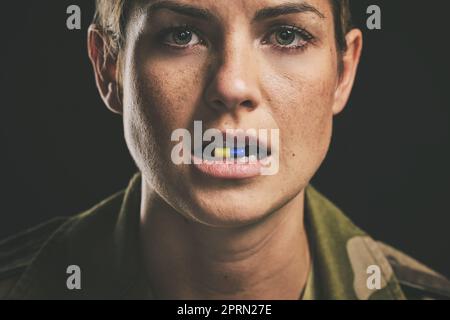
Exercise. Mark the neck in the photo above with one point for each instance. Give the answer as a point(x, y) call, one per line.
point(186, 260)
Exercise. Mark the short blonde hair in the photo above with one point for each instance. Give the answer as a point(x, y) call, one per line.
point(111, 16)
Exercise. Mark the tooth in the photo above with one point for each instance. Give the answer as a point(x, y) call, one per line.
point(265, 161)
point(253, 159)
point(242, 160)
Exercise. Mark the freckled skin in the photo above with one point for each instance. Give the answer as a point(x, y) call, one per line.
point(204, 237)
point(294, 92)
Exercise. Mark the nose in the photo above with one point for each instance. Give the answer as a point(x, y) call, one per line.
point(234, 84)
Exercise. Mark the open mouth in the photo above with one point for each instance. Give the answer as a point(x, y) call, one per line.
point(234, 149)
point(235, 157)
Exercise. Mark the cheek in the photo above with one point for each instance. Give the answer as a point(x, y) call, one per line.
point(168, 93)
point(157, 100)
point(302, 96)
point(162, 97)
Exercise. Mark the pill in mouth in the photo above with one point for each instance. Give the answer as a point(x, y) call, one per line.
point(229, 152)
point(222, 152)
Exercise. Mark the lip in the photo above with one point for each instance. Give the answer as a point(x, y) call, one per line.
point(232, 168)
point(229, 169)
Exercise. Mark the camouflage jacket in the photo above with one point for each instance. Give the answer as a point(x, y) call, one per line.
point(347, 263)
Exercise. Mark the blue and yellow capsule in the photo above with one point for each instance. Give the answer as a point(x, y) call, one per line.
point(229, 152)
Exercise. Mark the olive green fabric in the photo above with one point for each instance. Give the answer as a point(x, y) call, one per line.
point(334, 276)
point(104, 243)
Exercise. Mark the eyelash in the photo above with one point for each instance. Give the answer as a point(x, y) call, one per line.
point(168, 31)
point(307, 37)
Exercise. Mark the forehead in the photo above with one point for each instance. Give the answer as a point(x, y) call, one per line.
point(226, 10)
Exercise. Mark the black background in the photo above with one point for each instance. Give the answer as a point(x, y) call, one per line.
point(388, 167)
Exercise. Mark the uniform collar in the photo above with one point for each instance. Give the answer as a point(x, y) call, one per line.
point(104, 243)
point(342, 254)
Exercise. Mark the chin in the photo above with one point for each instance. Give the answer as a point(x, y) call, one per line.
point(229, 208)
point(223, 218)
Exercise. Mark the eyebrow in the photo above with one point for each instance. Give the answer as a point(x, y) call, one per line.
point(181, 8)
point(204, 14)
point(287, 8)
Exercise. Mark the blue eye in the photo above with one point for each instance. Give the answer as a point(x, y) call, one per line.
point(289, 37)
point(180, 37)
point(285, 37)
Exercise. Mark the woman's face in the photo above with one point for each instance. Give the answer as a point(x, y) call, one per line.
point(241, 64)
